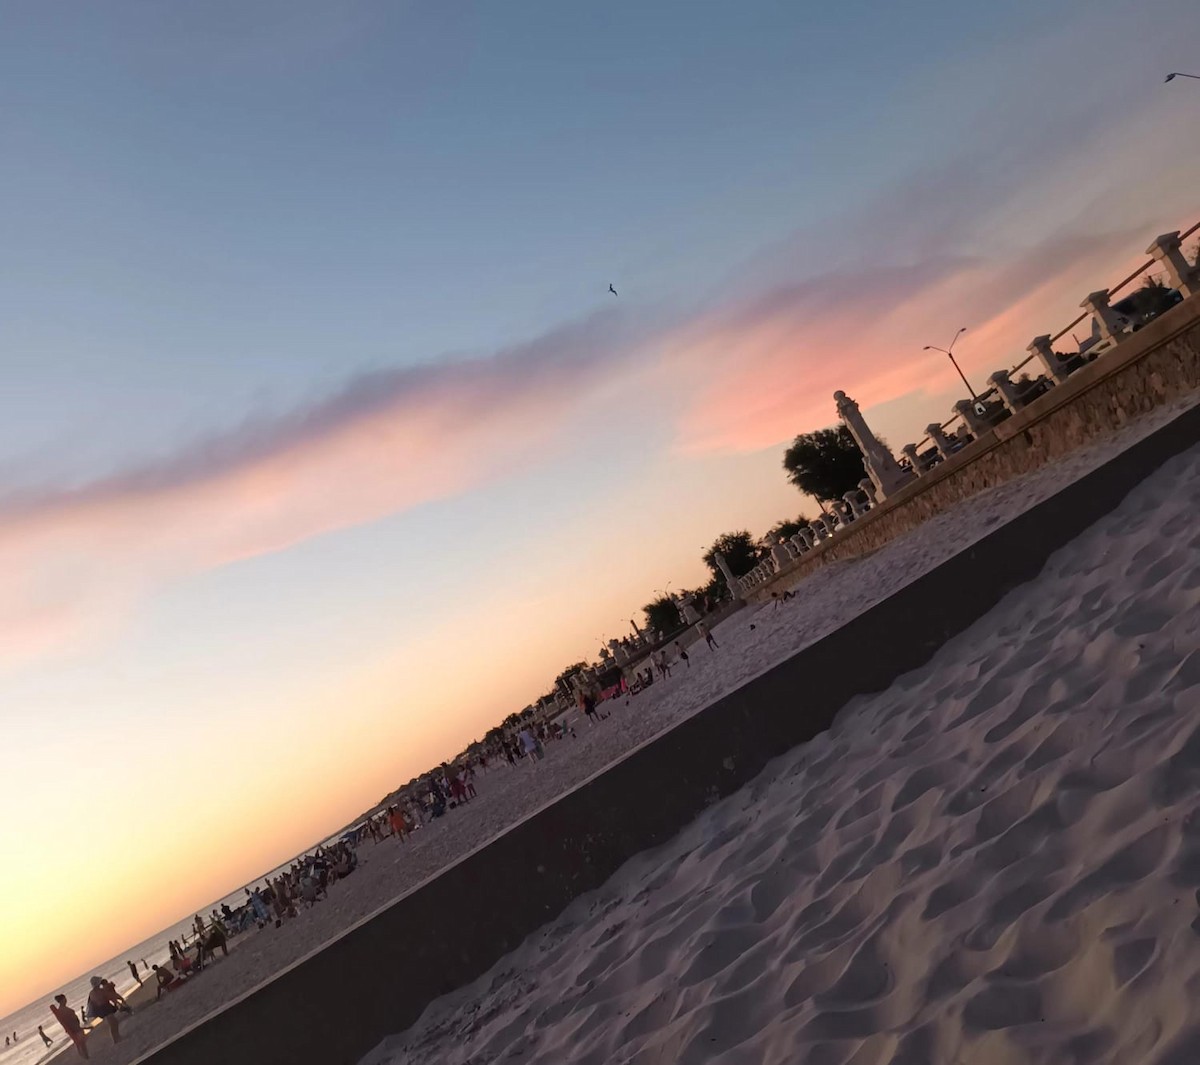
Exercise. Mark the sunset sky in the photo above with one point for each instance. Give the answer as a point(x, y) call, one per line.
point(323, 445)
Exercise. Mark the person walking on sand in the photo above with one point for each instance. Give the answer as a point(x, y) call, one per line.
point(45, 1038)
point(133, 970)
point(702, 628)
point(70, 1024)
point(103, 1005)
point(530, 745)
point(683, 655)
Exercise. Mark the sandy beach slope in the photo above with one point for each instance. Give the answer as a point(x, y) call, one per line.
point(992, 861)
point(828, 599)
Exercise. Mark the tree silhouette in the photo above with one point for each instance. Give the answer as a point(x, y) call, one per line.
point(826, 464)
point(740, 551)
point(662, 615)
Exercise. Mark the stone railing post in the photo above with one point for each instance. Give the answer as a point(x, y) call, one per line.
point(940, 440)
point(853, 501)
point(1044, 350)
point(909, 451)
point(975, 423)
point(868, 489)
point(1096, 303)
point(1003, 384)
point(1180, 273)
point(780, 554)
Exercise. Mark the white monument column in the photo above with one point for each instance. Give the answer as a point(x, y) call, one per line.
point(1180, 273)
point(882, 467)
point(734, 585)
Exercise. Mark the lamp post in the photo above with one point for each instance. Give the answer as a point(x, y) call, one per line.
point(1179, 74)
point(950, 352)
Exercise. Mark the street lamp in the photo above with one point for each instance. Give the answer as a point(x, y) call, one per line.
point(1180, 74)
point(950, 352)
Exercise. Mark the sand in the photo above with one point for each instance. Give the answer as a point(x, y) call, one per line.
point(993, 861)
point(829, 598)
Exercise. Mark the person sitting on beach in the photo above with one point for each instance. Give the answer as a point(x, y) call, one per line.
point(103, 1005)
point(70, 1024)
point(310, 890)
point(215, 940)
point(167, 981)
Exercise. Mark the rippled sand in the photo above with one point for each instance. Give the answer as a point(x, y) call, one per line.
point(993, 861)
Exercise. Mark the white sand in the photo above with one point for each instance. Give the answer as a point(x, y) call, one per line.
point(993, 861)
point(828, 599)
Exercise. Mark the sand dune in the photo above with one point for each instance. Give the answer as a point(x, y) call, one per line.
point(993, 861)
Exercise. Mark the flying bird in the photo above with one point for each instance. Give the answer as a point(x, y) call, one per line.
point(612, 290)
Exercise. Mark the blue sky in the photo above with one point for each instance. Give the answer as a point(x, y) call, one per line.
point(320, 427)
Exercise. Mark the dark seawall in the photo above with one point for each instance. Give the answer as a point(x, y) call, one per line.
point(335, 1006)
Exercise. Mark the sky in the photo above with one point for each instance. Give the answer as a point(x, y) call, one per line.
point(324, 446)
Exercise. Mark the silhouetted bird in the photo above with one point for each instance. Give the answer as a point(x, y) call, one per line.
point(612, 290)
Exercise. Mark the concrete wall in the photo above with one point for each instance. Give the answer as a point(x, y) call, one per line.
point(334, 1006)
point(1157, 365)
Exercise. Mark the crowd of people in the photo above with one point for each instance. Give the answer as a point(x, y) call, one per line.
point(307, 881)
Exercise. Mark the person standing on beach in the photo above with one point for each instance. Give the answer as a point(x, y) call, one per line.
point(683, 655)
point(133, 970)
point(45, 1038)
point(70, 1024)
point(103, 1003)
point(702, 628)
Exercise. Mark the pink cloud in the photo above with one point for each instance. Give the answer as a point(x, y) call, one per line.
point(385, 443)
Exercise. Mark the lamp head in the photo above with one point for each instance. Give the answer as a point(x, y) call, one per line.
point(1169, 77)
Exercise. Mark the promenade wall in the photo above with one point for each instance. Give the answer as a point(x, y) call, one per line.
point(335, 1005)
point(1157, 365)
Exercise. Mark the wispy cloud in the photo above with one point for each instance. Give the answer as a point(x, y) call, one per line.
point(847, 305)
point(387, 441)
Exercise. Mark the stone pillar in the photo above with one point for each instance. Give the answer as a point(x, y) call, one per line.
point(1106, 318)
point(975, 423)
point(882, 467)
point(910, 452)
point(1180, 273)
point(1044, 350)
point(853, 501)
point(808, 536)
point(940, 440)
point(779, 553)
point(827, 524)
point(734, 585)
point(1008, 391)
point(800, 544)
point(687, 610)
point(838, 506)
point(867, 487)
